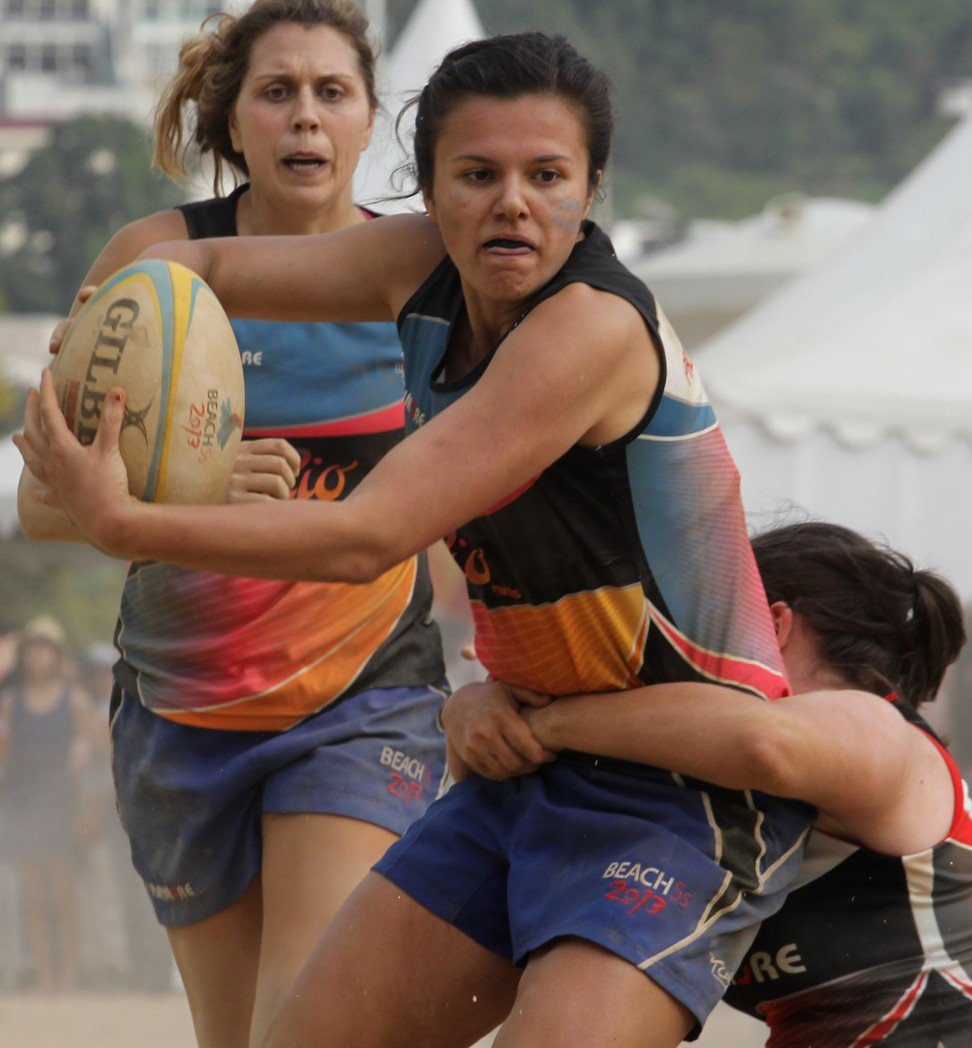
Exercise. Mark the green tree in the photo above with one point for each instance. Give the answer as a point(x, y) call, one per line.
point(93, 177)
point(9, 404)
point(76, 583)
point(723, 103)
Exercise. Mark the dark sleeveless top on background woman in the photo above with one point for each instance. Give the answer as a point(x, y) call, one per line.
point(37, 790)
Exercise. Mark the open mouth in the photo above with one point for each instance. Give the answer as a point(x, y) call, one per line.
point(304, 163)
point(507, 244)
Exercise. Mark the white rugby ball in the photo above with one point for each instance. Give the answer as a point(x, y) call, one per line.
point(156, 330)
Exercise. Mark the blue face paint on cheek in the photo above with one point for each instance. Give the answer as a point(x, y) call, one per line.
point(572, 208)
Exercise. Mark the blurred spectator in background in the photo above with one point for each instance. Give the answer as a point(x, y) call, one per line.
point(122, 945)
point(103, 952)
point(45, 743)
point(10, 948)
point(9, 642)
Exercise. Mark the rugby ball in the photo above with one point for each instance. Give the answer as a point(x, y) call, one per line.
point(156, 330)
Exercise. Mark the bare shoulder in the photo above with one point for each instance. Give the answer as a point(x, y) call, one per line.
point(864, 708)
point(152, 229)
point(582, 344)
point(849, 713)
point(887, 784)
point(132, 239)
point(593, 317)
point(408, 248)
point(419, 232)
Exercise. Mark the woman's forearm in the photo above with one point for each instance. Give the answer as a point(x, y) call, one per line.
point(296, 540)
point(244, 272)
point(874, 777)
point(197, 255)
point(705, 731)
point(358, 273)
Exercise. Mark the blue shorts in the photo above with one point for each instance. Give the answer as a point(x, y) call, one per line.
point(673, 878)
point(190, 799)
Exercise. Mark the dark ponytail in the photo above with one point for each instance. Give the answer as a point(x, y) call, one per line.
point(879, 622)
point(937, 633)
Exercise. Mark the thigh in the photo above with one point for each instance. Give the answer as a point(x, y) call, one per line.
point(217, 958)
point(377, 757)
point(189, 802)
point(389, 973)
point(574, 992)
point(311, 863)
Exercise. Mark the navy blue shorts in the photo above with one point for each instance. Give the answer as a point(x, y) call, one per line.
point(672, 877)
point(191, 799)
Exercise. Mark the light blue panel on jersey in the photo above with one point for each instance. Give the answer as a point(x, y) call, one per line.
point(297, 374)
point(677, 418)
point(685, 493)
point(426, 338)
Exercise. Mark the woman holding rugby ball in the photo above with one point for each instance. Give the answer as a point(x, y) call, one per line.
point(564, 444)
point(272, 739)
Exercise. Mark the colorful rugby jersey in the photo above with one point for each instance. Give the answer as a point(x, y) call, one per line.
point(874, 949)
point(617, 566)
point(217, 651)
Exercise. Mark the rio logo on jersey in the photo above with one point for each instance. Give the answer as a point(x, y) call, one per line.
point(320, 481)
point(472, 561)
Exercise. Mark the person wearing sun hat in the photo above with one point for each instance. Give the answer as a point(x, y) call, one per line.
point(44, 628)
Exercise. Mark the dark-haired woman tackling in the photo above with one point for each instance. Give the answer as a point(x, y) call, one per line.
point(870, 948)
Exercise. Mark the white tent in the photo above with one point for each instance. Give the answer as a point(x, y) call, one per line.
point(10, 466)
point(24, 346)
point(435, 27)
point(849, 392)
point(722, 269)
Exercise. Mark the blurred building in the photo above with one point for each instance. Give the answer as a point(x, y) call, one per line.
point(59, 58)
point(62, 58)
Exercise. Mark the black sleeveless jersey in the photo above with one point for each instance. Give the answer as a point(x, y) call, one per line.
point(874, 949)
point(616, 566)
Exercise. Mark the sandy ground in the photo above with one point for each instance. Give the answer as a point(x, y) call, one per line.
point(91, 1021)
point(86, 1021)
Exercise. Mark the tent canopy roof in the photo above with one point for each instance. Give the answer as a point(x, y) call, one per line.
point(791, 231)
point(434, 29)
point(877, 340)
